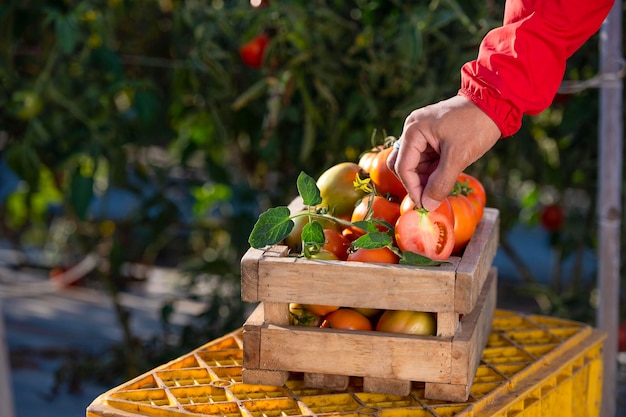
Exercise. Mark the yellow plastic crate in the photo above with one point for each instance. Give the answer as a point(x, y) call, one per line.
point(532, 366)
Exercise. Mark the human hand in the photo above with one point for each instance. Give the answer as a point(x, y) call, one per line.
point(437, 143)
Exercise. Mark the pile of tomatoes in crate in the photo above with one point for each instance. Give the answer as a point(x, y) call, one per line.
point(360, 211)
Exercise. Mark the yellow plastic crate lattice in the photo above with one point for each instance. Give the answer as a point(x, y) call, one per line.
point(532, 366)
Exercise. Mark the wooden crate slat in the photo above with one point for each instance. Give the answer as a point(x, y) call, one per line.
point(377, 354)
point(476, 261)
point(356, 284)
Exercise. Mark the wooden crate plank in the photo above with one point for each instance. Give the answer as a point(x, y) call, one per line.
point(468, 344)
point(326, 381)
point(250, 275)
point(276, 313)
point(476, 260)
point(252, 338)
point(447, 323)
point(375, 354)
point(357, 284)
point(264, 377)
point(447, 392)
point(387, 386)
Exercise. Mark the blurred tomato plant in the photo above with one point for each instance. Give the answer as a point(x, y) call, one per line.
point(152, 133)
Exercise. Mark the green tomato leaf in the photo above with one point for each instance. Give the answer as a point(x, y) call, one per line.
point(412, 258)
point(367, 225)
point(272, 226)
point(313, 233)
point(373, 240)
point(308, 190)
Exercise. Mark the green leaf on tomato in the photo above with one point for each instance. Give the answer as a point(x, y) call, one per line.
point(373, 240)
point(313, 233)
point(308, 190)
point(272, 226)
point(412, 258)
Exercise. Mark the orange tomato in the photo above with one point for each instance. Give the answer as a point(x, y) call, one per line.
point(473, 189)
point(379, 255)
point(385, 180)
point(464, 221)
point(347, 319)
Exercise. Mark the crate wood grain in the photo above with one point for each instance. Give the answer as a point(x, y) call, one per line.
point(388, 363)
point(271, 275)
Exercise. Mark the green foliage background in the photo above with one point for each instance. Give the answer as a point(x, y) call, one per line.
point(151, 99)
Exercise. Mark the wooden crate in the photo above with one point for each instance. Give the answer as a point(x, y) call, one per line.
point(387, 362)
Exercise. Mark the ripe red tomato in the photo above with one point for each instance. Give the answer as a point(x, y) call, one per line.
point(407, 322)
point(384, 179)
point(336, 243)
point(336, 186)
point(430, 234)
point(253, 51)
point(347, 319)
point(379, 255)
point(444, 208)
point(367, 157)
point(552, 217)
point(473, 189)
point(381, 209)
point(464, 221)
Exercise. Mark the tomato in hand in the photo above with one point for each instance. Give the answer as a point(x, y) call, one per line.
point(347, 319)
point(464, 221)
point(336, 186)
point(336, 243)
point(381, 209)
point(253, 51)
point(385, 180)
point(407, 322)
point(444, 208)
point(430, 234)
point(473, 189)
point(380, 255)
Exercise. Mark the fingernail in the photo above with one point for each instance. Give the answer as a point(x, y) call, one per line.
point(430, 204)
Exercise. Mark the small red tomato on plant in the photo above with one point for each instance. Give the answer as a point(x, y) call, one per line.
point(430, 234)
point(407, 322)
point(253, 51)
point(347, 319)
point(552, 217)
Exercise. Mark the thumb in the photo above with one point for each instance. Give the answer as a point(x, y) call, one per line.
point(439, 186)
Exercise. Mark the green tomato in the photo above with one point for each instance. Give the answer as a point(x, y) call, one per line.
point(27, 104)
point(336, 186)
point(407, 322)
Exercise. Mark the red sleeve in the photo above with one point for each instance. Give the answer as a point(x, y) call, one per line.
point(520, 65)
